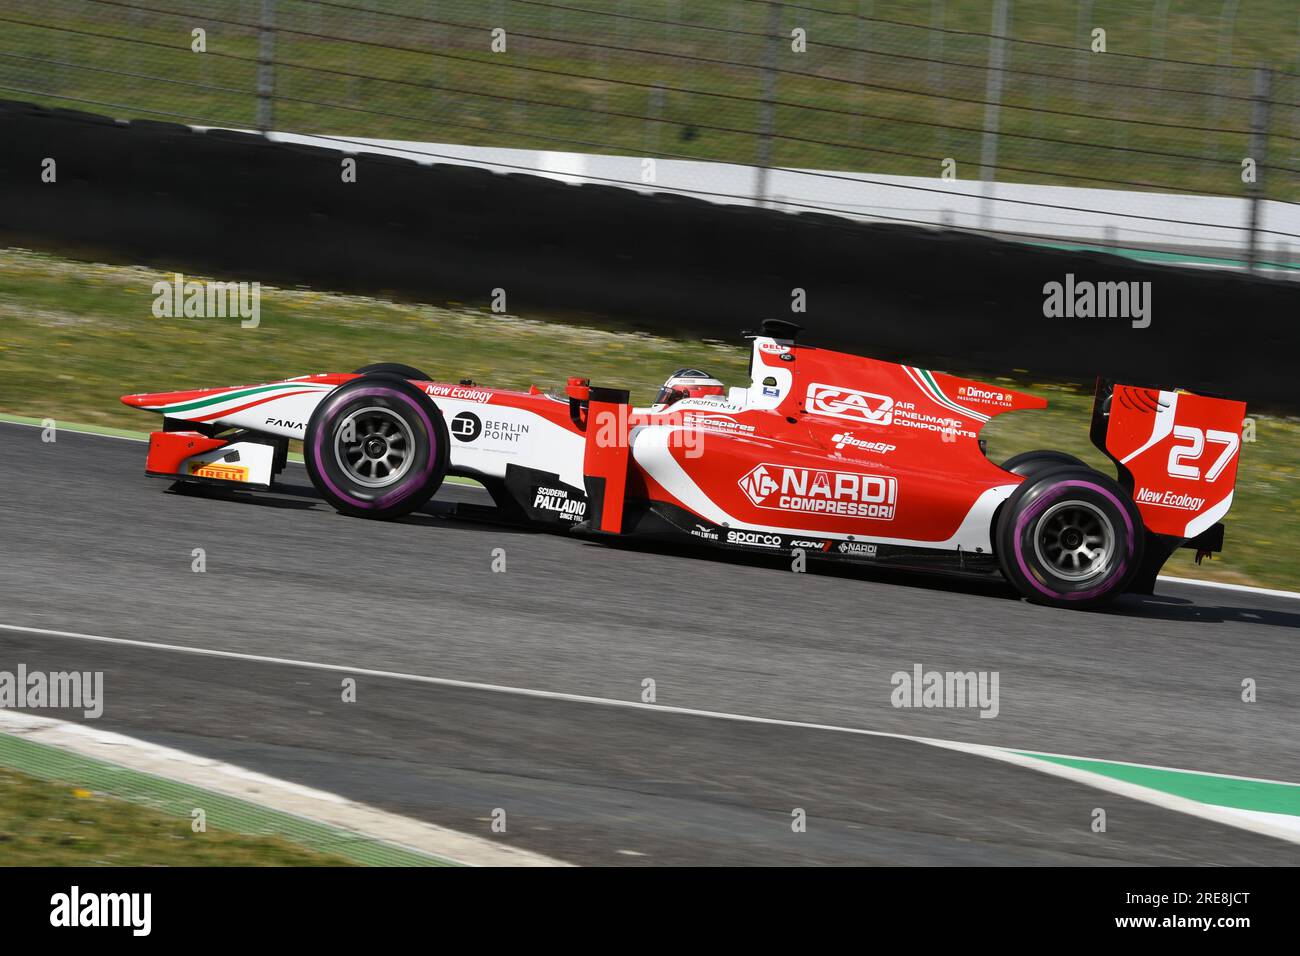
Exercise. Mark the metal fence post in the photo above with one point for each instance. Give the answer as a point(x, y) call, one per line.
point(992, 111)
point(1084, 33)
point(767, 108)
point(266, 67)
point(936, 45)
point(1159, 26)
point(654, 118)
point(1227, 23)
point(864, 37)
point(1259, 153)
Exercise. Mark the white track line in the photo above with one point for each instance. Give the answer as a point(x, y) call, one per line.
point(1173, 579)
point(294, 457)
point(1247, 588)
point(1099, 781)
point(74, 430)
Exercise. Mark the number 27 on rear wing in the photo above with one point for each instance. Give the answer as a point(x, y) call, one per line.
point(1176, 452)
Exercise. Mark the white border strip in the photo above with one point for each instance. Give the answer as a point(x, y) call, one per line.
point(1247, 588)
point(280, 795)
point(1264, 824)
point(1098, 781)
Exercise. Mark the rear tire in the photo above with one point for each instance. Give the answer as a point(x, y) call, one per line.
point(1069, 537)
point(376, 447)
point(1031, 462)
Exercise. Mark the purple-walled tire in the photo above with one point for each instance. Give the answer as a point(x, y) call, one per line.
point(1031, 462)
point(376, 447)
point(1069, 537)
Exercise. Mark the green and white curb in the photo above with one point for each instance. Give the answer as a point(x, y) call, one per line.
point(1267, 807)
point(1269, 802)
point(237, 800)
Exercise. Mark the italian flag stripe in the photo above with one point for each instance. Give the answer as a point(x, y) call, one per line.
point(927, 382)
point(227, 396)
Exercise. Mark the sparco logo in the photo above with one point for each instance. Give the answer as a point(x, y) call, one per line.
point(856, 406)
point(754, 538)
point(848, 493)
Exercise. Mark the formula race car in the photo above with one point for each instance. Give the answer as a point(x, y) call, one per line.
point(833, 455)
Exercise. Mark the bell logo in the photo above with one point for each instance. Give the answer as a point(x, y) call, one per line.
point(758, 484)
point(857, 406)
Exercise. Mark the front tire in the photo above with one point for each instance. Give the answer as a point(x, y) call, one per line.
point(376, 447)
point(1069, 537)
point(394, 368)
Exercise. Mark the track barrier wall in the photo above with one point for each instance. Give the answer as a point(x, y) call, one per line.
point(239, 207)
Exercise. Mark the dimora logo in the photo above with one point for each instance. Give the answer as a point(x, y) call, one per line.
point(808, 490)
point(857, 406)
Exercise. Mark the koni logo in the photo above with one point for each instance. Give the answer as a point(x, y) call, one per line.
point(815, 491)
point(857, 406)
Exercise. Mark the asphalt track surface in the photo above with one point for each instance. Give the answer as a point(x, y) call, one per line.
point(88, 544)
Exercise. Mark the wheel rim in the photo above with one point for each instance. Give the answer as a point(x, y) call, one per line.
point(1074, 540)
point(382, 448)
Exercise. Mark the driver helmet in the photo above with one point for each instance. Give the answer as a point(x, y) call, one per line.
point(688, 383)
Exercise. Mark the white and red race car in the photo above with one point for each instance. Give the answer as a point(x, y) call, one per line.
point(838, 456)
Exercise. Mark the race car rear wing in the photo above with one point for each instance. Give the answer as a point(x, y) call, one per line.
point(1176, 453)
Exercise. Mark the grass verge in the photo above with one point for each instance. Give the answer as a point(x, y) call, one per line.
point(77, 336)
point(60, 807)
point(63, 824)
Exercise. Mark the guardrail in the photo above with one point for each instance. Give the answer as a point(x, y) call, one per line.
point(242, 207)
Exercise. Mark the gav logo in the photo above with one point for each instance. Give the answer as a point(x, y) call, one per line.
point(858, 406)
point(848, 493)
